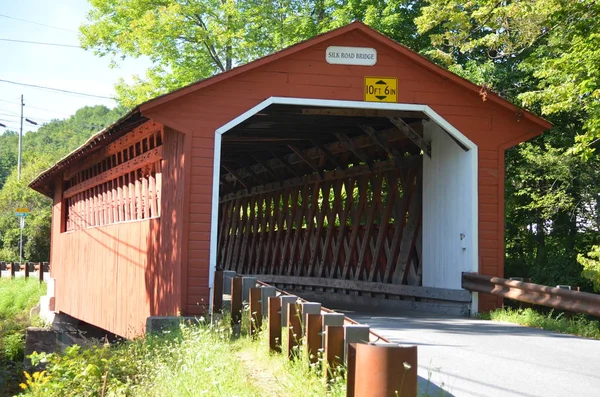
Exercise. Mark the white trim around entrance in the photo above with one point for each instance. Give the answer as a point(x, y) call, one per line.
point(433, 116)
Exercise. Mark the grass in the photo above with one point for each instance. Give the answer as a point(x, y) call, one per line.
point(17, 297)
point(199, 359)
point(576, 325)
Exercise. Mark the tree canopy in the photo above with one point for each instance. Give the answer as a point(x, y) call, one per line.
point(191, 40)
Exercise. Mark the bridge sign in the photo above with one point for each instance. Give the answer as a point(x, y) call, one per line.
point(22, 212)
point(381, 89)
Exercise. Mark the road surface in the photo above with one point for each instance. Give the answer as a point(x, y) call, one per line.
point(468, 357)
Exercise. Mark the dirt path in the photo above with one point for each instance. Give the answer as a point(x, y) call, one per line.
point(261, 375)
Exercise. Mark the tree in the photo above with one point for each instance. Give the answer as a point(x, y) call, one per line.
point(554, 41)
point(41, 149)
point(188, 40)
point(542, 54)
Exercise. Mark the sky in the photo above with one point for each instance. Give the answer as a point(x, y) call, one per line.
point(64, 68)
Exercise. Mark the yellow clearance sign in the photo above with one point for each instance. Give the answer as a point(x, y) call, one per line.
point(381, 89)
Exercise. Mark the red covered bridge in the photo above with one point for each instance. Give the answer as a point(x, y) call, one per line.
point(347, 160)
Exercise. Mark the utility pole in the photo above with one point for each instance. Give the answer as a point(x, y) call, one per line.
point(20, 142)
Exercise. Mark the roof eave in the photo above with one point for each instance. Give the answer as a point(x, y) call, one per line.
point(42, 182)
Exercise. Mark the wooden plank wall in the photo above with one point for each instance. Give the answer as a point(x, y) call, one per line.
point(306, 74)
point(362, 227)
point(115, 268)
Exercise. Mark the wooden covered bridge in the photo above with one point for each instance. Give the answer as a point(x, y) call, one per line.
point(346, 162)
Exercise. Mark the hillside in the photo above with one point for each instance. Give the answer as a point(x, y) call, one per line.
point(41, 149)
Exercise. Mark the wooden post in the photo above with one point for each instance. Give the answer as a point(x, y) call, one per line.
point(274, 324)
point(236, 301)
point(314, 339)
point(255, 311)
point(294, 327)
point(13, 269)
point(217, 299)
point(385, 370)
point(350, 369)
point(39, 268)
point(25, 268)
point(334, 350)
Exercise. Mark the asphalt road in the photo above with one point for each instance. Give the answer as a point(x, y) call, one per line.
point(468, 357)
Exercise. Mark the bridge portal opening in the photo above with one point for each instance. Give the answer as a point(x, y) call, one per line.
point(362, 199)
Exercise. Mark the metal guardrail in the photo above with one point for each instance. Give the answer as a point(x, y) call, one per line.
point(557, 298)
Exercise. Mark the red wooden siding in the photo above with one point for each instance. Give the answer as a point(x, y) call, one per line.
point(116, 268)
point(306, 74)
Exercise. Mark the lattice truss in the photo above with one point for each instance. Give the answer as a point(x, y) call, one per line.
point(120, 183)
point(344, 203)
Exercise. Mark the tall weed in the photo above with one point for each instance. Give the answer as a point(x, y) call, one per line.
point(575, 325)
point(17, 297)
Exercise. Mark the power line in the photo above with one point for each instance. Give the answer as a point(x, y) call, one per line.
point(42, 43)
point(4, 100)
point(35, 107)
point(8, 112)
point(7, 116)
point(48, 110)
point(55, 89)
point(37, 23)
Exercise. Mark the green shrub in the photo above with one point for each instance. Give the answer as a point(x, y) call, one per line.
point(17, 297)
point(194, 359)
point(574, 325)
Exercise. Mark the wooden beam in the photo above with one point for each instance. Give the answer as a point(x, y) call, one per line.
point(249, 170)
point(362, 156)
point(265, 166)
point(363, 113)
point(412, 135)
point(444, 294)
point(149, 157)
point(288, 161)
point(227, 186)
point(328, 154)
point(138, 134)
point(285, 163)
point(246, 139)
point(304, 158)
point(374, 135)
point(235, 175)
point(381, 166)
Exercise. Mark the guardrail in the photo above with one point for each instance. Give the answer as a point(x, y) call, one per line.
point(26, 268)
point(374, 366)
point(557, 298)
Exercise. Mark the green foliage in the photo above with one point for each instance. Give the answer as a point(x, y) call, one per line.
point(41, 149)
point(591, 266)
point(576, 325)
point(552, 41)
point(17, 297)
point(542, 54)
point(92, 371)
point(196, 359)
point(551, 207)
point(191, 40)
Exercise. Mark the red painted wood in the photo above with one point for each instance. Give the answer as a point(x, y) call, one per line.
point(161, 266)
point(306, 74)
